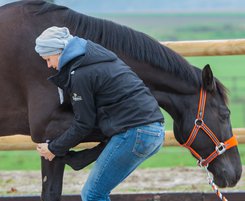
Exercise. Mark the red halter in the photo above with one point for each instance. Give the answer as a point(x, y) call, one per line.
point(220, 148)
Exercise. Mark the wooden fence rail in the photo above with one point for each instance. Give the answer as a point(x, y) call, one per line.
point(21, 142)
point(208, 47)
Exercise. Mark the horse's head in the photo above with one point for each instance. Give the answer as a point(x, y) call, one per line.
point(207, 131)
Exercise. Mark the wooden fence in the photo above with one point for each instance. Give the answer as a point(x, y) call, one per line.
point(185, 48)
point(208, 47)
point(21, 142)
point(186, 196)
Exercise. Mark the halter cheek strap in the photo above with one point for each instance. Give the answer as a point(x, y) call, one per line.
point(220, 148)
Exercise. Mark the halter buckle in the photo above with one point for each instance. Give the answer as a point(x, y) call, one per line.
point(220, 149)
point(200, 163)
point(199, 122)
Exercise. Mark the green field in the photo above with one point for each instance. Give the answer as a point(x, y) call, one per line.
point(166, 157)
point(178, 156)
point(183, 26)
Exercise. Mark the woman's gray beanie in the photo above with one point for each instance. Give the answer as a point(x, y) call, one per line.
point(52, 41)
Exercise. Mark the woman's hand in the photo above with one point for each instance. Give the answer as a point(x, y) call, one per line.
point(43, 150)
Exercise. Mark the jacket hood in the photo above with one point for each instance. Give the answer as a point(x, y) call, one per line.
point(95, 53)
point(76, 47)
point(92, 53)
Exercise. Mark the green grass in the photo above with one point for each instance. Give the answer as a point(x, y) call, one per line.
point(166, 157)
point(178, 156)
point(19, 160)
point(170, 157)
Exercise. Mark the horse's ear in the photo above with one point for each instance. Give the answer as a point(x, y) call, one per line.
point(208, 80)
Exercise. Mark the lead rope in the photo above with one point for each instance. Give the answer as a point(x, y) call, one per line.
point(213, 185)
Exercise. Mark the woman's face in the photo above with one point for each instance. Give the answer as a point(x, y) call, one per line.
point(52, 61)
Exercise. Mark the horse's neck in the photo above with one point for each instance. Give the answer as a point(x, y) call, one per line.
point(176, 95)
point(171, 91)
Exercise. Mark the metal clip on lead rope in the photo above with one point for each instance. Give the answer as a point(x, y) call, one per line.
point(213, 185)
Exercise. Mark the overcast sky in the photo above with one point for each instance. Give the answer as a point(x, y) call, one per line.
point(94, 6)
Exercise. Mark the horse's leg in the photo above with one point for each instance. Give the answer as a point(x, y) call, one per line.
point(77, 160)
point(80, 159)
point(52, 172)
point(52, 179)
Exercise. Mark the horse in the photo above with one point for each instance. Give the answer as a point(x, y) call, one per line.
point(30, 105)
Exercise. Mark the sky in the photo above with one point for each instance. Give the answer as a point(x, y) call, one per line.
point(93, 6)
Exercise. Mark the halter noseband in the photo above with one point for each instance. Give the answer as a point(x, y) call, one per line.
point(220, 148)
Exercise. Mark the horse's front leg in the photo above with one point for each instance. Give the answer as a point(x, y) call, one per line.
point(52, 179)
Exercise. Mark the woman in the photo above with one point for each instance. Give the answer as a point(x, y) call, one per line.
point(107, 94)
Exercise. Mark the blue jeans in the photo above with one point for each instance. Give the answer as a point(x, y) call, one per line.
point(123, 154)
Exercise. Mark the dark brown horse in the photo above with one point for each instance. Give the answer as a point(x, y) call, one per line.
point(30, 104)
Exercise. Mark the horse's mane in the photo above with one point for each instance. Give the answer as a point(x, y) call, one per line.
point(223, 91)
point(121, 39)
point(125, 41)
point(131, 43)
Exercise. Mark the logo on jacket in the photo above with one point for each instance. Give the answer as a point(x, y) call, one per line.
point(75, 97)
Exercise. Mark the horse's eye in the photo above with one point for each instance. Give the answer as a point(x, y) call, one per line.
point(225, 113)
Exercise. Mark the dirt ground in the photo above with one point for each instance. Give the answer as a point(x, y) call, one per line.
point(142, 180)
